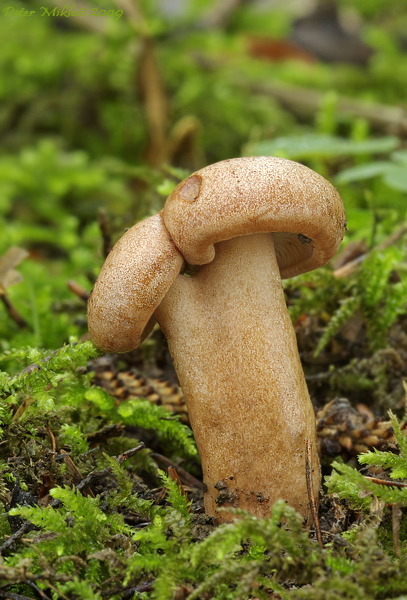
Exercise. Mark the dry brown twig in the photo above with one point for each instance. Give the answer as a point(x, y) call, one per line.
point(53, 440)
point(397, 484)
point(306, 102)
point(155, 103)
point(105, 230)
point(78, 290)
point(352, 265)
point(13, 312)
point(185, 477)
point(313, 505)
point(8, 277)
point(129, 453)
point(396, 520)
point(172, 472)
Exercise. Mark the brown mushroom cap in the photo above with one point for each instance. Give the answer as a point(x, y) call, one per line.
point(133, 281)
point(263, 194)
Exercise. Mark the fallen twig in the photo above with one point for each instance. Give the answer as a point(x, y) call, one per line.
point(12, 595)
point(129, 453)
point(172, 472)
point(53, 440)
point(396, 520)
point(106, 231)
point(352, 265)
point(397, 484)
point(220, 14)
point(78, 290)
point(16, 536)
point(31, 584)
point(106, 433)
point(311, 496)
point(13, 312)
point(306, 102)
point(185, 477)
point(77, 476)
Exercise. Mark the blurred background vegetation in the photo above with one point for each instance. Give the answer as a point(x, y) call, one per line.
point(107, 105)
point(104, 107)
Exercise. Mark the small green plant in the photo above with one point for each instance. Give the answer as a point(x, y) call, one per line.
point(351, 485)
point(54, 396)
point(392, 172)
point(379, 301)
point(368, 292)
point(90, 550)
point(53, 380)
point(395, 463)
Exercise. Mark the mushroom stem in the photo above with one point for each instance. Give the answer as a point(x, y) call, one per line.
point(235, 352)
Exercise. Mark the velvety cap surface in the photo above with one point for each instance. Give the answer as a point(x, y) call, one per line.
point(133, 281)
point(242, 196)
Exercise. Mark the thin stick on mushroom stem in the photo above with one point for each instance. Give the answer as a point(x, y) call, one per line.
point(310, 490)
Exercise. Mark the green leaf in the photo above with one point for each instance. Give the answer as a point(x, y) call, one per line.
point(321, 146)
point(103, 400)
point(396, 178)
point(178, 500)
point(360, 172)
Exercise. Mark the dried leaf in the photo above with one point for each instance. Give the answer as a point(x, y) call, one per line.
point(22, 408)
point(8, 275)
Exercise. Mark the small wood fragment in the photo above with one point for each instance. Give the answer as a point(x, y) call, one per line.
point(396, 520)
point(185, 477)
point(349, 267)
point(310, 490)
point(53, 440)
point(78, 290)
point(106, 231)
point(306, 102)
point(131, 452)
point(106, 433)
point(386, 482)
point(172, 472)
point(77, 476)
point(13, 312)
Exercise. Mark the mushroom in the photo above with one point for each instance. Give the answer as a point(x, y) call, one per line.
point(247, 223)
